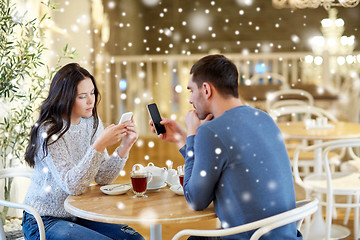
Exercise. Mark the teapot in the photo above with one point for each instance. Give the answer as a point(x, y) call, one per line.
point(159, 175)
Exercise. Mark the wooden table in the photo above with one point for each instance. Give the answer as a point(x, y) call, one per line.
point(161, 206)
point(341, 130)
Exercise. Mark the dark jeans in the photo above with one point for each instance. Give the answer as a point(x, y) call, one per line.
point(76, 228)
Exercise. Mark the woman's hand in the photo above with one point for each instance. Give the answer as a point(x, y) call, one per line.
point(111, 135)
point(131, 135)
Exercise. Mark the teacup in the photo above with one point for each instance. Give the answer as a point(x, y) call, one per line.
point(181, 172)
point(139, 181)
point(159, 175)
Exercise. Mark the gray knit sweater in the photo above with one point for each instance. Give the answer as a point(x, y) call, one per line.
point(69, 168)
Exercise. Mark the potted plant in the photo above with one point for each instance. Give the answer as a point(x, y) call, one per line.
point(24, 80)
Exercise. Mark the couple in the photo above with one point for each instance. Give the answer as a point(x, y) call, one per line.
point(234, 154)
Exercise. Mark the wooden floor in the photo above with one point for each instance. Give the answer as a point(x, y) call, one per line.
point(158, 152)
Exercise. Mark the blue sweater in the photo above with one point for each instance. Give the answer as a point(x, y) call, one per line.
point(239, 162)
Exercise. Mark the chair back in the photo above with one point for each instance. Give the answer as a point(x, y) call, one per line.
point(300, 113)
point(329, 146)
point(16, 172)
point(326, 148)
point(288, 97)
point(302, 210)
point(20, 172)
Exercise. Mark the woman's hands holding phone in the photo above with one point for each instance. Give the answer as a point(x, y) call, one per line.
point(126, 131)
point(131, 135)
point(109, 136)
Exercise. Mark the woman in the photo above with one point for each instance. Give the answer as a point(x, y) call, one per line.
point(68, 150)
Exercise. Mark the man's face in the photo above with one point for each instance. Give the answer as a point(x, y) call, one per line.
point(198, 99)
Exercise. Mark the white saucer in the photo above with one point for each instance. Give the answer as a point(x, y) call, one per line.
point(178, 189)
point(115, 189)
point(156, 188)
point(328, 126)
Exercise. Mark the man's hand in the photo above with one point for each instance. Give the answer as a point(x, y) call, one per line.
point(192, 122)
point(174, 132)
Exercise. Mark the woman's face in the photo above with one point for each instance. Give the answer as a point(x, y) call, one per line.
point(84, 101)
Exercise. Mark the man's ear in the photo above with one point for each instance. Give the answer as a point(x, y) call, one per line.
point(208, 89)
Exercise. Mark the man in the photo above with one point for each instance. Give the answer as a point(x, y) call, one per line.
point(235, 155)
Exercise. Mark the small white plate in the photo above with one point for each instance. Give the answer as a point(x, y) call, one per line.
point(156, 188)
point(328, 126)
point(178, 189)
point(115, 189)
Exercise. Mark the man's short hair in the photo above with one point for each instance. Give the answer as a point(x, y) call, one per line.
point(219, 71)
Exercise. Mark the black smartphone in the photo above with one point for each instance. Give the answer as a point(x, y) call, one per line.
point(156, 118)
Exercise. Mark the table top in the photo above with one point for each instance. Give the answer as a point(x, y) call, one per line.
point(341, 130)
point(161, 206)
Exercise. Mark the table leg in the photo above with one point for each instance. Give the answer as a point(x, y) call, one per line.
point(317, 229)
point(155, 232)
point(317, 226)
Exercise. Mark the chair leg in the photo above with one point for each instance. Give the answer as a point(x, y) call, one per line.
point(356, 217)
point(348, 209)
point(334, 213)
point(329, 211)
point(306, 228)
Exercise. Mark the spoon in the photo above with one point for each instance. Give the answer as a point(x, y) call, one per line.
point(114, 187)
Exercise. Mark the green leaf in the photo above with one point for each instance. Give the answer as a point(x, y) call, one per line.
point(22, 66)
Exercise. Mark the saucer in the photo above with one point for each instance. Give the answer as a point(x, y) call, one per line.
point(178, 189)
point(156, 188)
point(327, 126)
point(115, 189)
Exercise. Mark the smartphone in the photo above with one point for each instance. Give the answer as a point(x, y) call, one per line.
point(126, 117)
point(156, 118)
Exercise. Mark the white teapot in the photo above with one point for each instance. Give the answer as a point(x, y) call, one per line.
point(159, 175)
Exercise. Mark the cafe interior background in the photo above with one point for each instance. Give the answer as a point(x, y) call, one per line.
point(141, 51)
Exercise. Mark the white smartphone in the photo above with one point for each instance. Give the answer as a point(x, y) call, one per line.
point(126, 117)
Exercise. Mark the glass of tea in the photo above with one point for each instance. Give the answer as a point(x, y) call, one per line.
point(139, 181)
point(181, 172)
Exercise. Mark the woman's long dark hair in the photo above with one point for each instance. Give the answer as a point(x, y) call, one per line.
point(59, 105)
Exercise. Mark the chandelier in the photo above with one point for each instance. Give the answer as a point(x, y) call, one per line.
point(332, 40)
point(333, 57)
point(327, 4)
